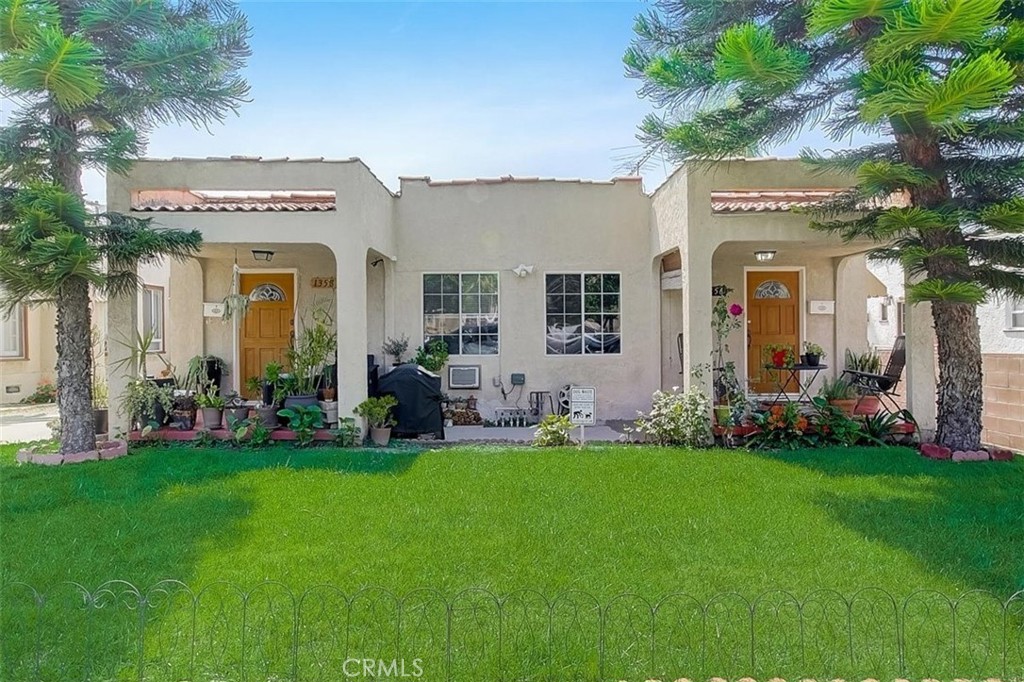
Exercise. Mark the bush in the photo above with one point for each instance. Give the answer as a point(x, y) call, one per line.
point(678, 419)
point(783, 427)
point(432, 357)
point(46, 392)
point(553, 431)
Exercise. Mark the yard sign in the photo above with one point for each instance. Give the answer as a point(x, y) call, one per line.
point(582, 405)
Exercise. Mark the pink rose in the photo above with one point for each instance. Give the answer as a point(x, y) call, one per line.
point(735, 310)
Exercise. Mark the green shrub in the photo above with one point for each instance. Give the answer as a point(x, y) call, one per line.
point(46, 392)
point(377, 411)
point(553, 431)
point(678, 419)
point(433, 357)
point(303, 421)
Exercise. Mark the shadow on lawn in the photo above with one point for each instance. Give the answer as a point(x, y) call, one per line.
point(965, 522)
point(142, 519)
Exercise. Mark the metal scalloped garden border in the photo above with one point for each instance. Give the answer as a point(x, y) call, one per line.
point(270, 632)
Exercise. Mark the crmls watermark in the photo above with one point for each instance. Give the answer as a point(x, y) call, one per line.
point(375, 668)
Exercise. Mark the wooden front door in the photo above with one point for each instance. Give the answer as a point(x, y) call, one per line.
point(773, 316)
point(268, 324)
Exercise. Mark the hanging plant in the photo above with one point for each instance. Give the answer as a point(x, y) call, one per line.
point(235, 307)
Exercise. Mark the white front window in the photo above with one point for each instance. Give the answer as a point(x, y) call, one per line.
point(461, 309)
point(153, 317)
point(582, 313)
point(12, 334)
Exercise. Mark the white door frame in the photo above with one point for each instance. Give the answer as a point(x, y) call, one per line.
point(802, 270)
point(236, 337)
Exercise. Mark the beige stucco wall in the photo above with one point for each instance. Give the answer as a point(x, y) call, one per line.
point(41, 350)
point(558, 228)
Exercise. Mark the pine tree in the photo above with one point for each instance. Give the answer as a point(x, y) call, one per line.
point(92, 78)
point(937, 82)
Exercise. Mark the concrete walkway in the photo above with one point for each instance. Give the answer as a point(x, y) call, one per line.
point(22, 423)
point(457, 434)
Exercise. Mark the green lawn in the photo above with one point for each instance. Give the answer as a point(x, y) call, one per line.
point(604, 521)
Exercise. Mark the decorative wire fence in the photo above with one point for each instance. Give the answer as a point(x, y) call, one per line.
point(271, 633)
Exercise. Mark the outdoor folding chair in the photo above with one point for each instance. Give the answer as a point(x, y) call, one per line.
point(883, 386)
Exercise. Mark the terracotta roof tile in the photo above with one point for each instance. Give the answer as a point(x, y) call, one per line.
point(223, 202)
point(768, 200)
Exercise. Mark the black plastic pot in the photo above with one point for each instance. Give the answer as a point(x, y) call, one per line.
point(214, 373)
point(813, 360)
point(101, 421)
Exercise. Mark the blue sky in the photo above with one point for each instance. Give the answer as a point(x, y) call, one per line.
point(446, 89)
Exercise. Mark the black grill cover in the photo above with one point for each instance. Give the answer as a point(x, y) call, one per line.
point(419, 400)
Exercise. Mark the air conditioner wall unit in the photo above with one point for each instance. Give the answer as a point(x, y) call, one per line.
point(463, 376)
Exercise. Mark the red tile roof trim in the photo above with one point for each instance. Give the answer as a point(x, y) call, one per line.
point(768, 200)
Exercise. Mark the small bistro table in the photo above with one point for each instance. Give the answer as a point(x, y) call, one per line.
point(784, 375)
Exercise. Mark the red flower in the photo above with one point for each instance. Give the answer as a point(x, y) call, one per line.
point(779, 358)
point(735, 310)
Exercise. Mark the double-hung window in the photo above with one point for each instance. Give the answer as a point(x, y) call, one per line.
point(12, 334)
point(582, 313)
point(153, 317)
point(461, 309)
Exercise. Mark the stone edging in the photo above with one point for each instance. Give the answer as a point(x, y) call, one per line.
point(936, 451)
point(111, 449)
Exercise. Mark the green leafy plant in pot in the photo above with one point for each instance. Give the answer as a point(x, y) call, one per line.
point(839, 393)
point(303, 421)
point(308, 356)
point(377, 413)
point(212, 405)
point(813, 354)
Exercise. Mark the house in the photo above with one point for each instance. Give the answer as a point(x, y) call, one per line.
point(560, 282)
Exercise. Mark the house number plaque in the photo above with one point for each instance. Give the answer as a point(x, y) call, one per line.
point(322, 282)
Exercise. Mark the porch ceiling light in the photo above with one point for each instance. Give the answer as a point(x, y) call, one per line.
point(764, 256)
point(262, 254)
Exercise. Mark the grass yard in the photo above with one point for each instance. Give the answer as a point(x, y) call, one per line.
point(605, 521)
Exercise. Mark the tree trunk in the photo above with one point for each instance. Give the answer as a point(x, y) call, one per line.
point(960, 400)
point(74, 368)
point(957, 334)
point(74, 318)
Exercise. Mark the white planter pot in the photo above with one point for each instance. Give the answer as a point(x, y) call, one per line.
point(330, 410)
point(381, 436)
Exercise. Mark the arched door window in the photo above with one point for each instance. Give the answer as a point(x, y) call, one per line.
point(772, 288)
point(267, 292)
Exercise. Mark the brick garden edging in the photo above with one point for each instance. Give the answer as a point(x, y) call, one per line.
point(936, 451)
point(111, 449)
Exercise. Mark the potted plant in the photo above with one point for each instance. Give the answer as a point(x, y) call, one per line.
point(254, 387)
point(779, 355)
point(395, 348)
point(813, 354)
point(183, 410)
point(377, 413)
point(235, 409)
point(100, 414)
point(207, 369)
point(267, 411)
point(870, 363)
point(433, 356)
point(837, 392)
point(212, 405)
point(145, 403)
point(308, 356)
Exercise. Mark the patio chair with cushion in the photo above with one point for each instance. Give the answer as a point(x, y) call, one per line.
point(884, 385)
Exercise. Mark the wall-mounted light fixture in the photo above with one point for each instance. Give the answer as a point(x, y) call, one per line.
point(523, 270)
point(376, 262)
point(764, 256)
point(263, 255)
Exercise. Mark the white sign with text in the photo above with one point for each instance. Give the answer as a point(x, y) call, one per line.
point(583, 405)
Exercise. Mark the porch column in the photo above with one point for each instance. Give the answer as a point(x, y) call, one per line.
point(697, 315)
point(122, 325)
point(351, 324)
point(920, 389)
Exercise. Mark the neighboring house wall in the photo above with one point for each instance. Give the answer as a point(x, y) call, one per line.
point(1002, 354)
point(19, 377)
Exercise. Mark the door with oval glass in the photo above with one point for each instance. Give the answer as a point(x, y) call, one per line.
point(268, 323)
point(773, 317)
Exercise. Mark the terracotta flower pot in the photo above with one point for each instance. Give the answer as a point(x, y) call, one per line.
point(845, 405)
point(868, 406)
point(381, 437)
